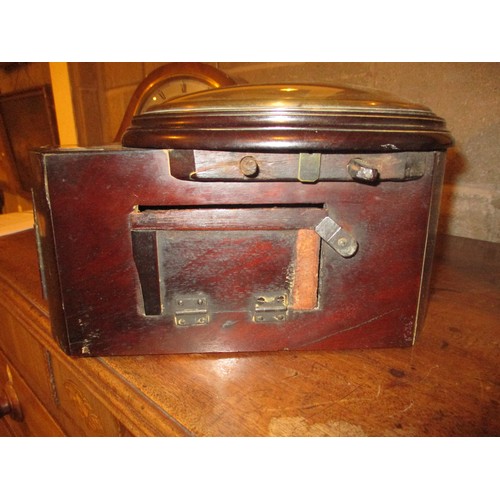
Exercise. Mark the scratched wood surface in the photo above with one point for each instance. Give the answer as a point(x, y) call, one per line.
point(366, 301)
point(447, 384)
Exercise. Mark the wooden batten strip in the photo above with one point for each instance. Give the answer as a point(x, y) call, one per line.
point(305, 285)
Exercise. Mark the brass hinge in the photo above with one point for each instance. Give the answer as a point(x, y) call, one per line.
point(191, 310)
point(270, 308)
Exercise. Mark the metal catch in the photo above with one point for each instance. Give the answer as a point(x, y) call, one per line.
point(309, 167)
point(361, 171)
point(339, 239)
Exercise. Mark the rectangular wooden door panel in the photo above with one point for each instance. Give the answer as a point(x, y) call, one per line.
point(229, 267)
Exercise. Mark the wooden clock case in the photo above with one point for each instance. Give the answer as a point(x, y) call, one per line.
point(251, 218)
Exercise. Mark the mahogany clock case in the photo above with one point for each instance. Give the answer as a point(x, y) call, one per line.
point(241, 219)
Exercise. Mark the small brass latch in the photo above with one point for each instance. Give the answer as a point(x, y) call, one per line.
point(309, 167)
point(270, 308)
point(337, 237)
point(191, 310)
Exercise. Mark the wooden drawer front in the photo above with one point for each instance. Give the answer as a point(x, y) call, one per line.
point(56, 383)
point(80, 411)
point(35, 421)
point(5, 429)
point(27, 355)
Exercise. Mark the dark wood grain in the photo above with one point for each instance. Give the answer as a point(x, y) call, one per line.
point(162, 136)
point(254, 118)
point(225, 166)
point(90, 202)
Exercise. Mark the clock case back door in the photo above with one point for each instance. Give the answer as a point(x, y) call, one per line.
point(124, 245)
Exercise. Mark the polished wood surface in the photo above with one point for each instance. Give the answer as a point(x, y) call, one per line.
point(231, 242)
point(275, 118)
point(447, 384)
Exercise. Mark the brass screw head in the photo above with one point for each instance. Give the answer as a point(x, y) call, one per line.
point(249, 166)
